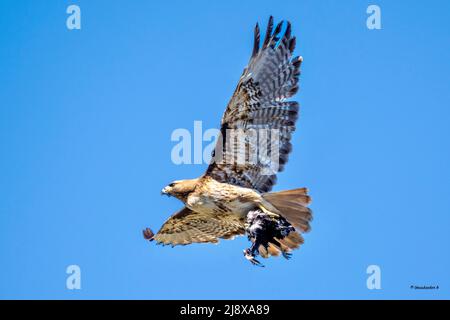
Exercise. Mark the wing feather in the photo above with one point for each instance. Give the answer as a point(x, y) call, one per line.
point(187, 227)
point(259, 103)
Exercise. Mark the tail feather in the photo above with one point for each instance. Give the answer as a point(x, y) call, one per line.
point(298, 195)
point(273, 250)
point(287, 244)
point(263, 252)
point(291, 242)
point(292, 205)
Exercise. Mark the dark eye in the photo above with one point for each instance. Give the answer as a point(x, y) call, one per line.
point(172, 185)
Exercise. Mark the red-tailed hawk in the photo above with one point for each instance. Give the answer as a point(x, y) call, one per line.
point(232, 198)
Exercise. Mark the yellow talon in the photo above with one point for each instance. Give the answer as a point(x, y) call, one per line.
point(269, 213)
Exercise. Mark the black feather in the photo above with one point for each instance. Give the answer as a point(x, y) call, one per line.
point(268, 32)
point(256, 41)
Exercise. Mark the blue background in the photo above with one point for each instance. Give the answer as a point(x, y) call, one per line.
point(85, 124)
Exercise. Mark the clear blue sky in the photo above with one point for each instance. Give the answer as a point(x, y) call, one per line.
point(85, 124)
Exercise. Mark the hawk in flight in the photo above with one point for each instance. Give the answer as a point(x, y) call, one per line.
point(233, 197)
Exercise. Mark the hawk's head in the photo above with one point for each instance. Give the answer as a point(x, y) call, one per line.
point(180, 189)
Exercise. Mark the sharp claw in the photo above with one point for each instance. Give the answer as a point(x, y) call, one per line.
point(251, 258)
point(287, 255)
point(269, 213)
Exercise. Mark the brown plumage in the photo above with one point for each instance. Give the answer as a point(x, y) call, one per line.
point(217, 203)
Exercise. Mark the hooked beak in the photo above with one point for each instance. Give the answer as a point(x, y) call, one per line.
point(165, 192)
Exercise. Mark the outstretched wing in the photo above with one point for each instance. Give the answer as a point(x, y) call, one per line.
point(259, 103)
point(186, 227)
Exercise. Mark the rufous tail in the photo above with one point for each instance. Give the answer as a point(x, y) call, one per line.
point(293, 206)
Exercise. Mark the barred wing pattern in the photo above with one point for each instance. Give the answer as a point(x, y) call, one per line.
point(186, 227)
point(259, 103)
